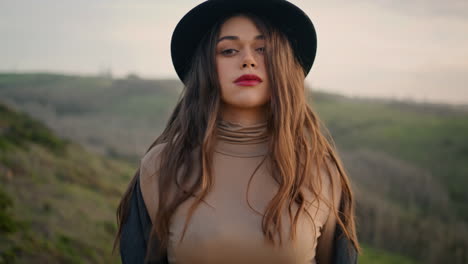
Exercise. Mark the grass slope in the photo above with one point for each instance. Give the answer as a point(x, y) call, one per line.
point(57, 201)
point(409, 158)
point(371, 255)
point(76, 106)
point(430, 136)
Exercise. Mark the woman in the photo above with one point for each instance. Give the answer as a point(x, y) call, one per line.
point(242, 173)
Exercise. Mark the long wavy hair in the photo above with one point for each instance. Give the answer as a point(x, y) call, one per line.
point(298, 144)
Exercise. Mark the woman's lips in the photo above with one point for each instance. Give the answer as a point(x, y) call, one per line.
point(248, 82)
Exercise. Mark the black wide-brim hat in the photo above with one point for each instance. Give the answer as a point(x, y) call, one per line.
point(284, 15)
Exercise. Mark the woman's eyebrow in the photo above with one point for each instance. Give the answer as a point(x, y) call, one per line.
point(237, 38)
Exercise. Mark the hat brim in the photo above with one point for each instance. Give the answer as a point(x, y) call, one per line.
point(289, 18)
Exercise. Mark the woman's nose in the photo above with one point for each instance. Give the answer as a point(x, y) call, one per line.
point(248, 61)
point(252, 64)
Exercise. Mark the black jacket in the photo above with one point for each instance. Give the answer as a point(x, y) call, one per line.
point(136, 229)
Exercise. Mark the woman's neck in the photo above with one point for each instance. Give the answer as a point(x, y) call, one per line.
point(244, 116)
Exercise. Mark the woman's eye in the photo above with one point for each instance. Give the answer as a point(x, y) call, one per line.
point(262, 49)
point(228, 51)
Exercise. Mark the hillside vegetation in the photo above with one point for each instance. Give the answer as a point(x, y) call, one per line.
point(409, 164)
point(57, 201)
point(407, 161)
point(115, 117)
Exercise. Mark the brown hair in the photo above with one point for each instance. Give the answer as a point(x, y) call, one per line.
point(297, 141)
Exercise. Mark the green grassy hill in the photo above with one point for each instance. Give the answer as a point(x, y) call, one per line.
point(407, 161)
point(57, 201)
point(429, 136)
point(95, 111)
point(371, 255)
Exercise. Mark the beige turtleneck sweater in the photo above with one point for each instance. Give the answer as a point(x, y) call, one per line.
point(227, 230)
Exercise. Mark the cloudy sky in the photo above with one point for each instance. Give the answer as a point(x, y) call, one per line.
point(385, 48)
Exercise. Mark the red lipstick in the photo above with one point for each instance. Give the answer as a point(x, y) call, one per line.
point(248, 80)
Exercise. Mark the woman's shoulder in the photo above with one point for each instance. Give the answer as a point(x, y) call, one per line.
point(149, 166)
point(323, 191)
point(328, 177)
point(150, 160)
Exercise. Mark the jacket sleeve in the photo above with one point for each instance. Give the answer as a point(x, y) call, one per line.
point(136, 230)
point(344, 251)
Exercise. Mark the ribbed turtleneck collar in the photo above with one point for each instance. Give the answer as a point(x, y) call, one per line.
point(239, 140)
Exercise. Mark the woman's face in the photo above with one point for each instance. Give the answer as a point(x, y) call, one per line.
point(239, 51)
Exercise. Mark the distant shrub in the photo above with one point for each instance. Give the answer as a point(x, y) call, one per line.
point(17, 129)
point(7, 223)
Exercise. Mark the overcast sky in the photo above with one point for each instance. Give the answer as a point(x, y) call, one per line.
point(386, 48)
